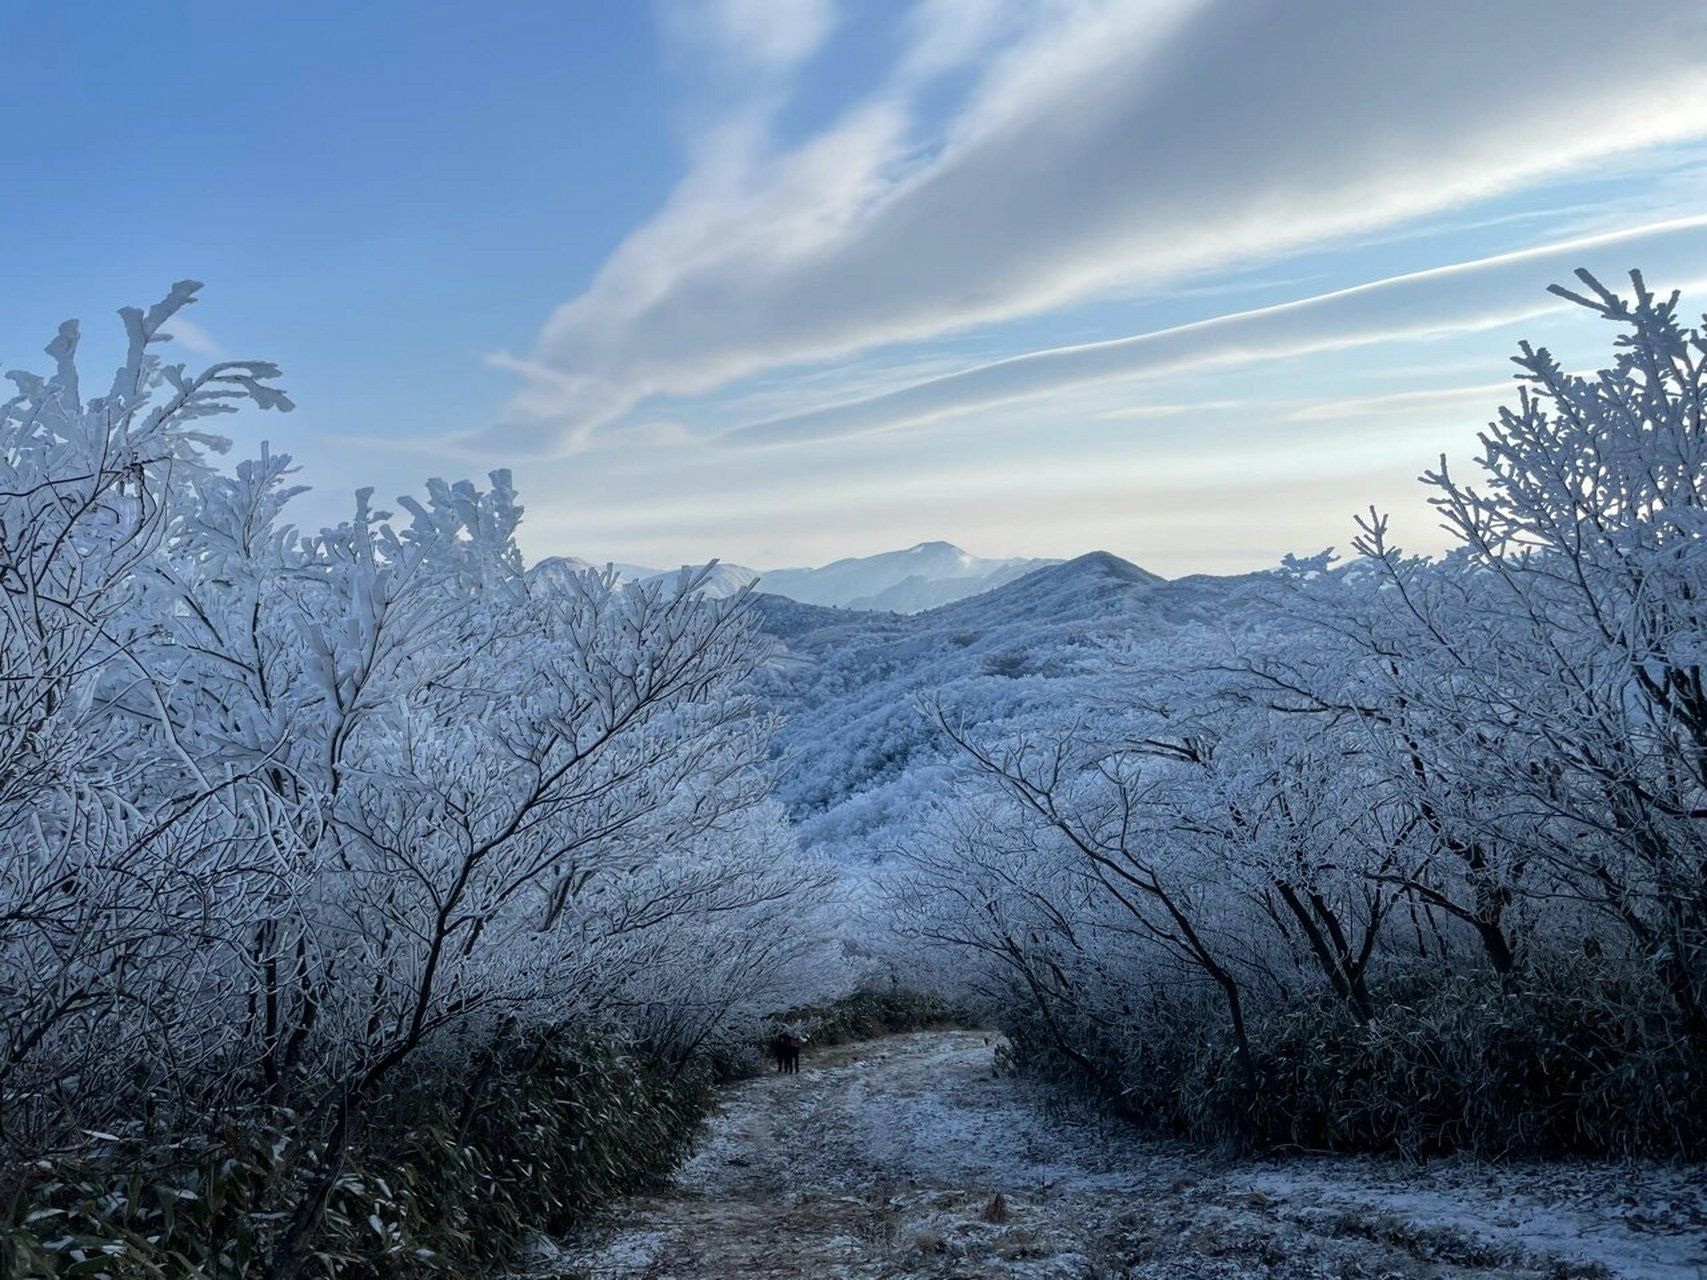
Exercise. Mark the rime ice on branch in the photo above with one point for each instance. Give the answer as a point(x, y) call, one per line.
point(1265, 852)
point(285, 815)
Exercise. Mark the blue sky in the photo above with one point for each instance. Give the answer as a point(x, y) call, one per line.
point(784, 280)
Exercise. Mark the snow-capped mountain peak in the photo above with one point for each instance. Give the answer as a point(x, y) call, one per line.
point(919, 577)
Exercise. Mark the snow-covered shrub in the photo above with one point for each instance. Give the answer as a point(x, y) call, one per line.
point(1564, 644)
point(302, 820)
point(112, 855)
point(1419, 859)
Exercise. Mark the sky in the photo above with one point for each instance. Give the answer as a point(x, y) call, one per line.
point(780, 281)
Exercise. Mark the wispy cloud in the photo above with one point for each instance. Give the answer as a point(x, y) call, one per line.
point(1145, 411)
point(1463, 297)
point(748, 35)
point(1434, 399)
point(193, 338)
point(1097, 149)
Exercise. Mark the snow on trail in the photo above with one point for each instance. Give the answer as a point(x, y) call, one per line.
point(886, 1159)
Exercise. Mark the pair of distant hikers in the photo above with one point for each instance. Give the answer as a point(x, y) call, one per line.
point(786, 1046)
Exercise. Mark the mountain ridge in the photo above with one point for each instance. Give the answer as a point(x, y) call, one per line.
point(913, 579)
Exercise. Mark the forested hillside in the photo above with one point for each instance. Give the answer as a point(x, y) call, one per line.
point(860, 753)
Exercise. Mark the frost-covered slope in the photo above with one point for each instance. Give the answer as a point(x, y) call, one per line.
point(860, 758)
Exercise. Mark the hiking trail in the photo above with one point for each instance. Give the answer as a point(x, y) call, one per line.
point(912, 1156)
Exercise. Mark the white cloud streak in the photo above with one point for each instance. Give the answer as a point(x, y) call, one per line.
point(193, 338)
point(1467, 296)
point(1106, 145)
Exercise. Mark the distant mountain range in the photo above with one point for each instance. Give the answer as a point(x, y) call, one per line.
point(921, 577)
point(859, 761)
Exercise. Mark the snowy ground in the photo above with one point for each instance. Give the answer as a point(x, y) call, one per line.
point(910, 1157)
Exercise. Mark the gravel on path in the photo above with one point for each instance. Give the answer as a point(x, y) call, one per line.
point(913, 1156)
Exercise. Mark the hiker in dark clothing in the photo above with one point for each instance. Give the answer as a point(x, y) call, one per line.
point(786, 1046)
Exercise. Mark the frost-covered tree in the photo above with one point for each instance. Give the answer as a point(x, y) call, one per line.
point(108, 856)
point(287, 817)
point(1395, 779)
point(1562, 642)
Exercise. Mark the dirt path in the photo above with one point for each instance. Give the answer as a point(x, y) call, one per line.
point(910, 1157)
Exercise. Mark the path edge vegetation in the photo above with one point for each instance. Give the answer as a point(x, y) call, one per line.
point(446, 1178)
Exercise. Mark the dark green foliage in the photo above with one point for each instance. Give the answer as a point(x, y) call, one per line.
point(1556, 1065)
point(121, 1208)
point(1568, 1060)
point(569, 1134)
point(437, 1186)
point(447, 1177)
